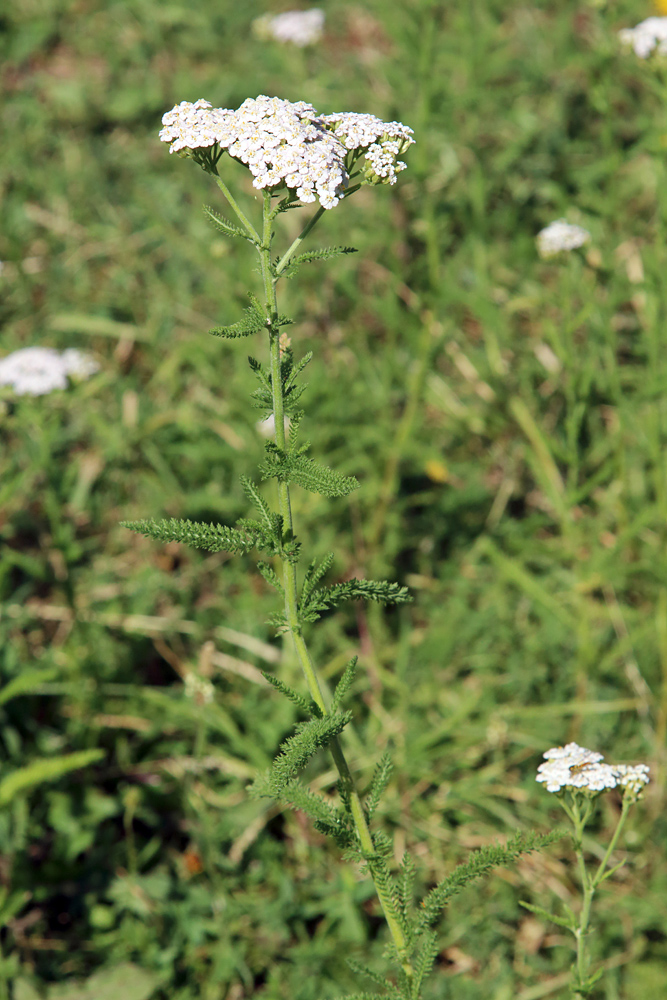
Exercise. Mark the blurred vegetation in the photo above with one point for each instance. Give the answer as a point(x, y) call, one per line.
point(507, 418)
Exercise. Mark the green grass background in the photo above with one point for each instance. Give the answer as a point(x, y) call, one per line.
point(507, 419)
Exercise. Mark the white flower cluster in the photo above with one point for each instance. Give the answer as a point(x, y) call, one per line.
point(560, 235)
point(192, 126)
point(35, 371)
point(633, 776)
point(281, 142)
point(300, 27)
point(384, 142)
point(645, 37)
point(290, 145)
point(572, 766)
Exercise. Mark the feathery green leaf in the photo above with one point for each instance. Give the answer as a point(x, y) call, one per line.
point(364, 970)
point(569, 921)
point(379, 782)
point(313, 575)
point(479, 863)
point(298, 749)
point(381, 591)
point(257, 499)
point(227, 227)
point(426, 956)
point(306, 473)
point(270, 576)
point(254, 319)
point(293, 265)
point(306, 706)
point(344, 684)
point(212, 537)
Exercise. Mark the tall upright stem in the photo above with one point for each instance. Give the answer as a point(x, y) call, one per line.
point(291, 592)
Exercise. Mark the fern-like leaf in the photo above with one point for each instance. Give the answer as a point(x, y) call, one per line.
point(364, 970)
point(381, 591)
point(270, 576)
point(212, 537)
point(298, 749)
point(426, 956)
point(406, 883)
point(379, 782)
point(227, 227)
point(258, 500)
point(480, 863)
point(313, 575)
point(293, 265)
point(316, 478)
point(254, 319)
point(306, 706)
point(344, 684)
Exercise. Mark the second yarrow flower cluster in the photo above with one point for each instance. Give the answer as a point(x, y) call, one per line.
point(573, 767)
point(286, 145)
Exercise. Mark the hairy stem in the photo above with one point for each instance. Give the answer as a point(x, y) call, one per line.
point(290, 584)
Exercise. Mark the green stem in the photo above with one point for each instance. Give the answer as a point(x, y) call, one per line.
point(291, 592)
point(243, 219)
point(287, 256)
point(589, 884)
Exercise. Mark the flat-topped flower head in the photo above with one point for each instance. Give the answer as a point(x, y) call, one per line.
point(572, 766)
point(632, 778)
point(289, 145)
point(381, 143)
point(286, 144)
point(560, 236)
point(647, 37)
point(298, 27)
point(192, 126)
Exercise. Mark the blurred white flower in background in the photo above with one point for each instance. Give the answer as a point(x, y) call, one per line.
point(300, 27)
point(645, 37)
point(36, 371)
point(267, 427)
point(559, 236)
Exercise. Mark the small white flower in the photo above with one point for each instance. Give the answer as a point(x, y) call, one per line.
point(645, 37)
point(36, 371)
point(560, 236)
point(633, 777)
point(300, 27)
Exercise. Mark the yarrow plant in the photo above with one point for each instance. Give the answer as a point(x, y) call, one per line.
point(578, 777)
point(298, 156)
